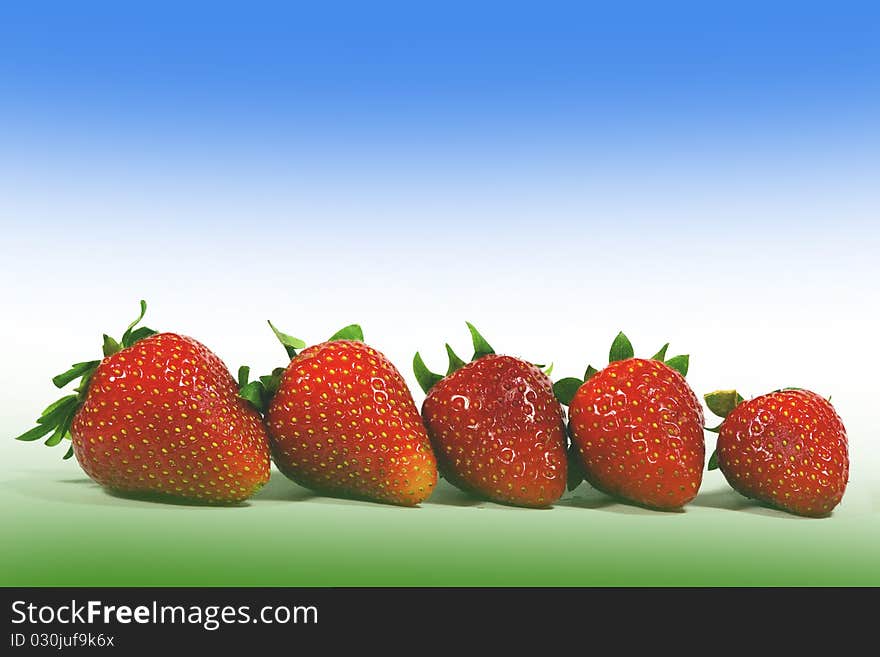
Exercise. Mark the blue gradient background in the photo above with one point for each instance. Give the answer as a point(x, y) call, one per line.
point(705, 173)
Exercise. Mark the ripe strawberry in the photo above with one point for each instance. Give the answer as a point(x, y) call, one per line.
point(637, 428)
point(160, 414)
point(787, 448)
point(496, 427)
point(342, 421)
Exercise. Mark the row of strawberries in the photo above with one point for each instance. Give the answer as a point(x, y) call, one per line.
point(161, 415)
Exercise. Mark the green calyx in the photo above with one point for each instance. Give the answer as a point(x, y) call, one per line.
point(260, 391)
point(713, 461)
point(721, 403)
point(56, 418)
point(290, 343)
point(565, 389)
point(481, 347)
point(621, 349)
point(428, 379)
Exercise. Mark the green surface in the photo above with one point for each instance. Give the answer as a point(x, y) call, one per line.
point(61, 529)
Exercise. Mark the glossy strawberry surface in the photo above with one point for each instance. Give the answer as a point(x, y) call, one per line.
point(163, 416)
point(637, 428)
point(498, 431)
point(344, 422)
point(788, 449)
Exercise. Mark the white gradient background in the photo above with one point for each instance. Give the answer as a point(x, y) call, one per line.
point(723, 195)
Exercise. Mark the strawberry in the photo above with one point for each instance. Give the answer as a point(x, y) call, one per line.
point(496, 427)
point(637, 428)
point(160, 414)
point(787, 449)
point(343, 422)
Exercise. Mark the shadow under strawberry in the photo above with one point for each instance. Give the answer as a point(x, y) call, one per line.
point(448, 495)
point(281, 489)
point(175, 501)
point(730, 500)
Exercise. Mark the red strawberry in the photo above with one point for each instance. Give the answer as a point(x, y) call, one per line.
point(637, 428)
point(160, 414)
point(787, 448)
point(496, 427)
point(342, 421)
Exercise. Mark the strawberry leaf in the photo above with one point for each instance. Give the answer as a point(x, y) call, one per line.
point(55, 420)
point(36, 433)
point(54, 405)
point(56, 437)
point(63, 429)
point(549, 370)
point(110, 346)
point(260, 391)
point(290, 343)
point(244, 373)
point(272, 382)
point(621, 349)
point(661, 355)
point(590, 372)
point(565, 389)
point(69, 453)
point(76, 371)
point(254, 392)
point(713, 461)
point(679, 364)
point(455, 363)
point(722, 402)
point(481, 347)
point(139, 334)
point(54, 413)
point(350, 332)
point(426, 378)
point(83, 388)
